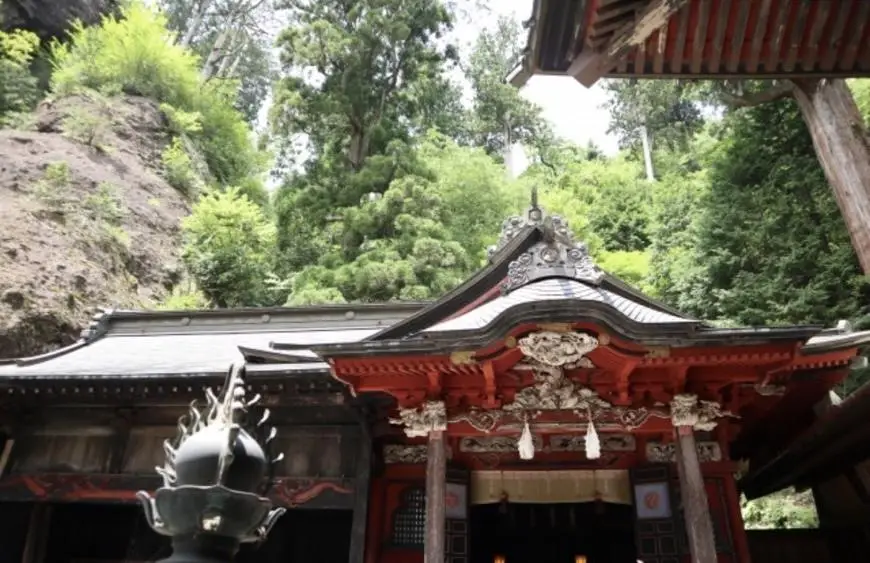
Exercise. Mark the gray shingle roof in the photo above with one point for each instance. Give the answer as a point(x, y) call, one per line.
point(162, 354)
point(555, 289)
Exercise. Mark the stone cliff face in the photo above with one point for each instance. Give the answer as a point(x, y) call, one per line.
point(87, 219)
point(52, 18)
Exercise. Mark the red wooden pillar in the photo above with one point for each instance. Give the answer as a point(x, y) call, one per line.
point(685, 415)
point(436, 477)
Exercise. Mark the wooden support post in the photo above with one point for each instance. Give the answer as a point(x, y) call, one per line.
point(843, 149)
point(436, 477)
point(699, 525)
point(36, 541)
point(361, 495)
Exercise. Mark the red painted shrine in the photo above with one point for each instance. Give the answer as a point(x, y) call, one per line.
point(542, 411)
point(563, 399)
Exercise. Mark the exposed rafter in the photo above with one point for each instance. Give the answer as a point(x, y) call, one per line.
point(588, 67)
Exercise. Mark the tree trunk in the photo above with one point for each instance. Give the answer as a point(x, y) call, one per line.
point(842, 147)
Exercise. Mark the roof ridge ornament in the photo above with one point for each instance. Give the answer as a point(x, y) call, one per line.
point(559, 254)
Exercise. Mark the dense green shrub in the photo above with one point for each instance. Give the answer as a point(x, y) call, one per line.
point(229, 249)
point(18, 88)
point(136, 55)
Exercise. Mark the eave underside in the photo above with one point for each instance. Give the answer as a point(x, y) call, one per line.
point(837, 441)
point(707, 38)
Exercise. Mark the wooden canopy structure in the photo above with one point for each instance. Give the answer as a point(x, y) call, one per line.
point(833, 445)
point(592, 39)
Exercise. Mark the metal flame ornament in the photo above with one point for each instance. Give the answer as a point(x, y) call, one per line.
point(209, 503)
point(593, 443)
point(526, 444)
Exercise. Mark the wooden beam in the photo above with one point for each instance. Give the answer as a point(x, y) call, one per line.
point(775, 45)
point(700, 39)
point(588, 68)
point(834, 37)
point(361, 495)
point(819, 19)
point(758, 36)
point(680, 43)
point(856, 34)
point(436, 478)
point(640, 58)
point(738, 37)
point(718, 47)
point(661, 50)
point(796, 40)
point(699, 525)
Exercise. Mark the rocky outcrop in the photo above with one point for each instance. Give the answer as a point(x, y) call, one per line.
point(52, 18)
point(87, 219)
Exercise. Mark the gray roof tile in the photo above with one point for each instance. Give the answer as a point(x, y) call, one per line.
point(168, 354)
point(554, 290)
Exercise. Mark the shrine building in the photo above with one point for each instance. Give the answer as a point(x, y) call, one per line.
point(542, 411)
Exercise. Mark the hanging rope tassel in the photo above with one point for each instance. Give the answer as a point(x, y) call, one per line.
point(526, 445)
point(593, 444)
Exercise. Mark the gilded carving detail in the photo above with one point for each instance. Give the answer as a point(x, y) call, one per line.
point(660, 452)
point(687, 410)
point(559, 349)
point(418, 422)
point(462, 357)
point(494, 444)
point(480, 419)
point(577, 443)
point(400, 453)
point(766, 390)
point(553, 391)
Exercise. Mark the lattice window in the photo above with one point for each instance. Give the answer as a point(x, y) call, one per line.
point(409, 520)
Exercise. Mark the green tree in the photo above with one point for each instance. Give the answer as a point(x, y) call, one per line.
point(422, 237)
point(668, 109)
point(18, 87)
point(134, 54)
point(771, 236)
point(499, 114)
point(229, 249)
point(232, 41)
point(353, 67)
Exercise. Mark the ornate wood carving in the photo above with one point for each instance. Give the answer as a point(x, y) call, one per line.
point(401, 453)
point(559, 349)
point(418, 422)
point(480, 419)
point(660, 452)
point(462, 358)
point(576, 443)
point(495, 444)
point(558, 252)
point(687, 410)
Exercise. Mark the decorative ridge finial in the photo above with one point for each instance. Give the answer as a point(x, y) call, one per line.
point(558, 254)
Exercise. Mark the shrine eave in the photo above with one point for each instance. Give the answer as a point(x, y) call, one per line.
point(682, 334)
point(835, 442)
point(593, 39)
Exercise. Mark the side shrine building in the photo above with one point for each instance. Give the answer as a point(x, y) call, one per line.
point(542, 411)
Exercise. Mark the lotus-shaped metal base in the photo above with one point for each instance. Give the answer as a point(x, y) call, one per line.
point(207, 524)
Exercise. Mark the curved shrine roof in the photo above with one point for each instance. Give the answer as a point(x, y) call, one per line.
point(537, 272)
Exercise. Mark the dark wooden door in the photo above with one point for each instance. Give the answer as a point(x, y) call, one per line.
point(656, 513)
point(456, 513)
